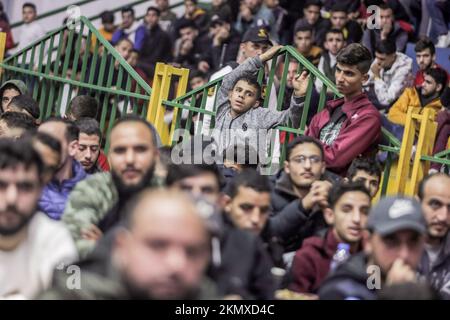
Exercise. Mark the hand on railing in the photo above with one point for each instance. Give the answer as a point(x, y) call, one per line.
point(300, 84)
point(269, 54)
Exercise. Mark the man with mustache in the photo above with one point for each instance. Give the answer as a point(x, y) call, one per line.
point(95, 204)
point(434, 195)
point(31, 244)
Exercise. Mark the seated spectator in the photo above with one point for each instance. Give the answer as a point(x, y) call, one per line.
point(292, 72)
point(56, 193)
point(347, 218)
point(443, 129)
point(253, 13)
point(82, 106)
point(349, 126)
point(49, 149)
point(238, 109)
point(9, 90)
point(313, 19)
point(197, 15)
point(425, 97)
point(280, 15)
point(366, 171)
point(167, 17)
point(395, 244)
point(224, 46)
point(334, 42)
point(222, 9)
point(30, 31)
point(133, 61)
point(95, 203)
point(434, 195)
point(251, 278)
point(189, 47)
point(31, 245)
point(16, 124)
point(425, 58)
point(302, 188)
point(303, 40)
point(129, 27)
point(107, 29)
point(149, 53)
point(390, 30)
point(24, 104)
point(89, 142)
point(339, 20)
point(389, 75)
point(130, 268)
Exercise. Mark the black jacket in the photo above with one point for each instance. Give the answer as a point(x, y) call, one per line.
point(290, 222)
point(157, 47)
point(229, 49)
point(348, 281)
point(245, 267)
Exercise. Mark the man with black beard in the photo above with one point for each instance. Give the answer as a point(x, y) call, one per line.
point(95, 204)
point(31, 244)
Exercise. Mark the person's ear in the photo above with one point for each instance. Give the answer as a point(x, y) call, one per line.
point(324, 167)
point(439, 87)
point(256, 105)
point(73, 148)
point(226, 203)
point(365, 77)
point(328, 215)
point(287, 169)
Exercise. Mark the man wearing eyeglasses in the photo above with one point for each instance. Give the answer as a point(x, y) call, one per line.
point(300, 194)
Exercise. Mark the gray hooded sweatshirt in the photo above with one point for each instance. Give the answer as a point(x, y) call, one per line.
point(254, 123)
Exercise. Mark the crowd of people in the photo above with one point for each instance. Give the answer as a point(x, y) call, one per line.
point(133, 222)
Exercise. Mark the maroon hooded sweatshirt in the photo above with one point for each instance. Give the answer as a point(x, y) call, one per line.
point(312, 262)
point(360, 133)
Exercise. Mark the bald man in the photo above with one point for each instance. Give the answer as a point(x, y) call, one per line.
point(434, 195)
point(161, 252)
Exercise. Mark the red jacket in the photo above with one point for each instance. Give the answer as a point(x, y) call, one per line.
point(359, 134)
point(312, 262)
point(102, 162)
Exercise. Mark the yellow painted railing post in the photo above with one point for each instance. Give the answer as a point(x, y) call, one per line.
point(161, 88)
point(404, 160)
point(2, 48)
point(425, 143)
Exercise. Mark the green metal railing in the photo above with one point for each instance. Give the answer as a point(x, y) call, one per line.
point(55, 78)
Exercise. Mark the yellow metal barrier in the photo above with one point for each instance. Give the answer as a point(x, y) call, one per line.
point(161, 88)
point(407, 178)
point(2, 48)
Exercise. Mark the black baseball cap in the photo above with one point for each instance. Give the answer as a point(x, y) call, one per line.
point(257, 35)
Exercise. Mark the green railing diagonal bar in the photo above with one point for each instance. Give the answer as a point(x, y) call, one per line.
point(392, 139)
point(443, 153)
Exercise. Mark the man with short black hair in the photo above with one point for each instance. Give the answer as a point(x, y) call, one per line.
point(31, 30)
point(31, 245)
point(339, 20)
point(366, 171)
point(349, 126)
point(346, 217)
point(313, 19)
point(434, 195)
point(389, 75)
point(390, 30)
point(89, 142)
point(425, 58)
point(49, 149)
point(83, 106)
point(149, 54)
point(128, 28)
point(303, 40)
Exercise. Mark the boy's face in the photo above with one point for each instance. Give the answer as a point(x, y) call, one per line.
point(349, 79)
point(334, 42)
point(349, 216)
point(371, 182)
point(303, 41)
point(312, 14)
point(243, 97)
point(338, 20)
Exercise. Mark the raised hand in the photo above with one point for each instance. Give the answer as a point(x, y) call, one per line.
point(300, 84)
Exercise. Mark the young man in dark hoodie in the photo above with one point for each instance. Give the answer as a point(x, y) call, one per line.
point(346, 216)
point(349, 126)
point(392, 252)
